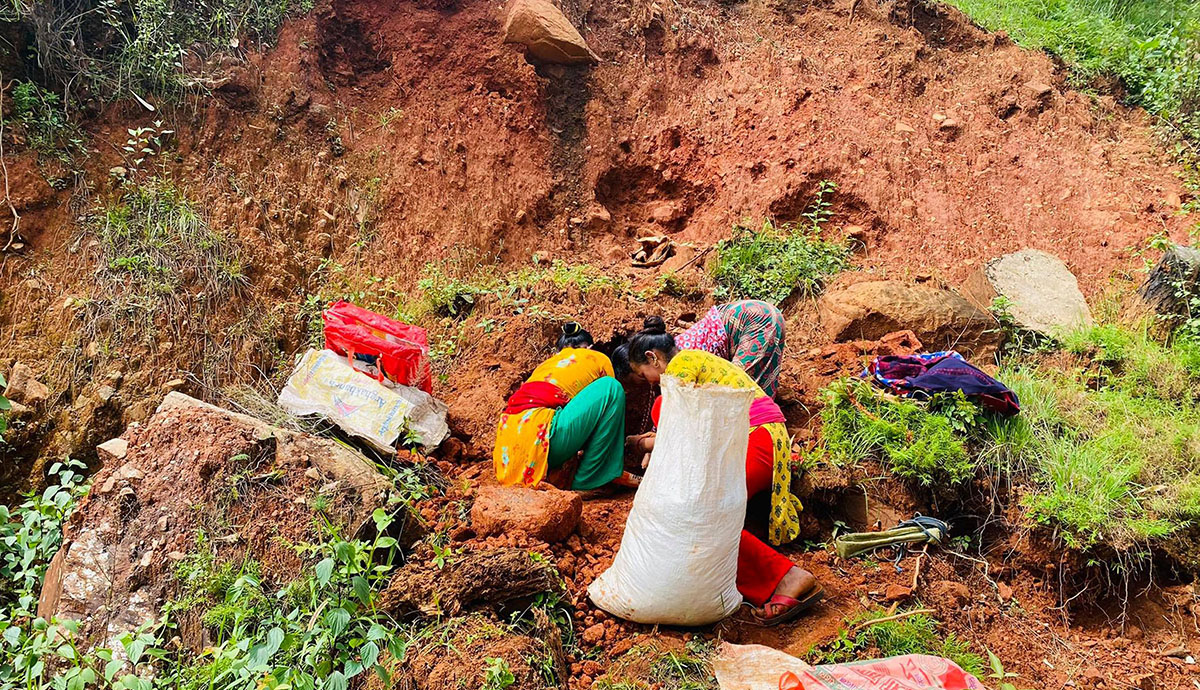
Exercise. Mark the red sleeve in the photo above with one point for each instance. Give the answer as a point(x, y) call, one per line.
point(655, 409)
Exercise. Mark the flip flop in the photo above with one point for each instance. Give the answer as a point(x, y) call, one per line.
point(791, 608)
point(627, 480)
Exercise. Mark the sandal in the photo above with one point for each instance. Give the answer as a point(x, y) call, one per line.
point(781, 609)
point(627, 480)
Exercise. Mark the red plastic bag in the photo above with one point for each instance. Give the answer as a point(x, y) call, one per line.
point(378, 346)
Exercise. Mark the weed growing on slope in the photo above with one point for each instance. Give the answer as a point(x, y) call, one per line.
point(918, 441)
point(152, 236)
point(775, 261)
point(45, 124)
point(31, 533)
point(1105, 448)
point(1111, 447)
point(915, 634)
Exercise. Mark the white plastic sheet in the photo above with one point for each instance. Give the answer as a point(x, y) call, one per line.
point(323, 383)
point(754, 667)
point(677, 563)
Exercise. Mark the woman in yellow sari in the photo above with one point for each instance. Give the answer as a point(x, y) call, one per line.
point(570, 403)
point(778, 589)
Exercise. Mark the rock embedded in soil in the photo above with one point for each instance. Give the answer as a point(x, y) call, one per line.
point(23, 387)
point(939, 318)
point(195, 467)
point(1042, 294)
point(1173, 278)
point(550, 515)
point(546, 33)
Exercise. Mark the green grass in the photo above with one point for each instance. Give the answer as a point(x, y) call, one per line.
point(859, 421)
point(912, 635)
point(773, 262)
point(1105, 454)
point(153, 237)
point(1149, 45)
point(1111, 449)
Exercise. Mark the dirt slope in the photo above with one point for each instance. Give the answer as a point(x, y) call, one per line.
point(377, 137)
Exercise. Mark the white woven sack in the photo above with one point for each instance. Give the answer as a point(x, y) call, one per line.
point(677, 563)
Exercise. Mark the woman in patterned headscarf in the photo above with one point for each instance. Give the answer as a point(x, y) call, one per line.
point(748, 333)
point(778, 589)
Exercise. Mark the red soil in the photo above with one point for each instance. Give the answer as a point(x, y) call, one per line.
point(382, 136)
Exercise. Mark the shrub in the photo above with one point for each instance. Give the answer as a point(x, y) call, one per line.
point(45, 124)
point(915, 441)
point(772, 263)
point(98, 48)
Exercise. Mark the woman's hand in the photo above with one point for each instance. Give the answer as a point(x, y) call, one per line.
point(643, 442)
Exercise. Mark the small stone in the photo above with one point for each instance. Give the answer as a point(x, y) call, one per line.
point(542, 258)
point(902, 128)
point(130, 473)
point(24, 388)
point(956, 592)
point(112, 451)
point(1093, 674)
point(949, 125)
point(1005, 591)
point(897, 592)
point(1177, 652)
point(105, 393)
point(1134, 633)
point(313, 474)
point(176, 555)
point(1039, 89)
point(938, 117)
point(173, 384)
point(163, 523)
point(593, 634)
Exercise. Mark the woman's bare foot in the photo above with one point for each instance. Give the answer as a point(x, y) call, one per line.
point(796, 583)
point(797, 592)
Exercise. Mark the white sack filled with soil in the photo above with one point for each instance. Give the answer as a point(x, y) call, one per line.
point(677, 563)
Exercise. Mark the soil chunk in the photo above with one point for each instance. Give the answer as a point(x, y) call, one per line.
point(472, 579)
point(550, 515)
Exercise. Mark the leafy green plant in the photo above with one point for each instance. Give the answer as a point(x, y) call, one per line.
point(912, 634)
point(914, 440)
point(5, 406)
point(451, 286)
point(31, 533)
point(45, 124)
point(497, 675)
point(773, 262)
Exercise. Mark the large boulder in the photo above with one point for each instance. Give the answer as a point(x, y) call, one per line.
point(1041, 293)
point(546, 33)
point(549, 515)
point(940, 319)
point(193, 467)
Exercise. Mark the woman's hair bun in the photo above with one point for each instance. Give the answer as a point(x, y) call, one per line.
point(654, 325)
point(571, 328)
